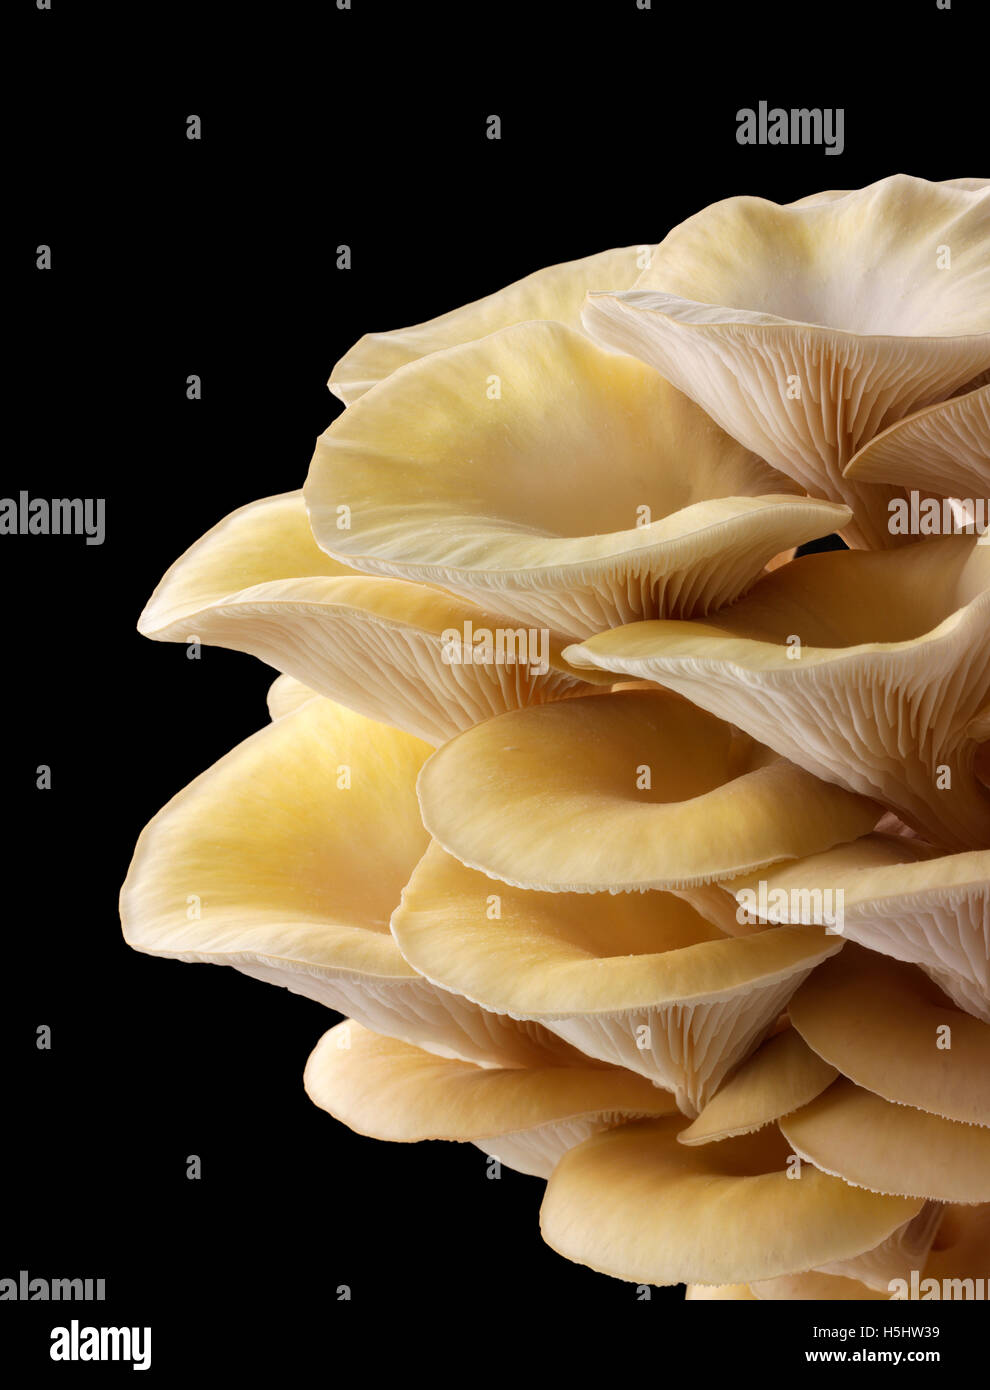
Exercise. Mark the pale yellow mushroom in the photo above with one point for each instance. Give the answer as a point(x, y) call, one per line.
point(629, 790)
point(899, 897)
point(888, 1148)
point(286, 694)
point(906, 1249)
point(285, 860)
point(782, 1075)
point(805, 330)
point(638, 980)
point(633, 1203)
point(401, 653)
point(871, 670)
point(527, 1117)
point(555, 292)
point(888, 1028)
point(480, 468)
point(940, 451)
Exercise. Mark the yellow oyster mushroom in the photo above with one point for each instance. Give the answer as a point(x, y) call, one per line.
point(805, 330)
point(899, 897)
point(888, 1148)
point(629, 790)
point(633, 1203)
point(285, 860)
point(782, 1075)
point(869, 669)
point(286, 694)
point(906, 1249)
point(638, 980)
point(402, 653)
point(527, 1117)
point(888, 1028)
point(942, 450)
point(555, 292)
point(568, 487)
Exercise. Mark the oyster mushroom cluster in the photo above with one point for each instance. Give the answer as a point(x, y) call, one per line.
point(637, 851)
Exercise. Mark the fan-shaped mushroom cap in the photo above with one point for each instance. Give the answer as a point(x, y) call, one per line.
point(887, 1027)
point(525, 1116)
point(556, 292)
point(480, 469)
point(889, 1148)
point(782, 1075)
point(286, 694)
point(895, 1257)
point(891, 665)
point(899, 898)
point(285, 860)
point(259, 583)
point(628, 790)
point(942, 450)
point(638, 980)
point(793, 328)
point(635, 1204)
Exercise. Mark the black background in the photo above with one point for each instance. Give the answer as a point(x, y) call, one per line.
point(171, 257)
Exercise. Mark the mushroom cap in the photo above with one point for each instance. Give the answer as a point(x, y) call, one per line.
point(635, 1204)
point(891, 667)
point(259, 583)
point(781, 1076)
point(894, 1258)
point(889, 1148)
point(880, 1022)
point(943, 449)
point(388, 1089)
point(286, 694)
point(285, 860)
point(638, 980)
point(554, 292)
point(791, 326)
point(900, 898)
point(548, 798)
point(451, 472)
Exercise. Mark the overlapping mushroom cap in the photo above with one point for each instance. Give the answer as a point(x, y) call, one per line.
point(870, 669)
point(636, 852)
point(943, 450)
point(479, 468)
point(259, 583)
point(805, 330)
point(899, 897)
point(638, 980)
point(555, 293)
point(629, 790)
point(286, 860)
point(525, 1116)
